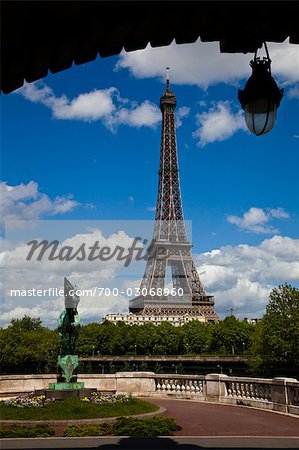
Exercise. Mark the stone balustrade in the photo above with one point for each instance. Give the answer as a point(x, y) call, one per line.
point(181, 386)
point(276, 394)
point(249, 390)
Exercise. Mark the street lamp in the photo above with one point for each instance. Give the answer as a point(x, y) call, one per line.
point(175, 367)
point(243, 344)
point(220, 367)
point(261, 96)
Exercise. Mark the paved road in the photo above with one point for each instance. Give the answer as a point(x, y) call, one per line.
point(212, 419)
point(163, 443)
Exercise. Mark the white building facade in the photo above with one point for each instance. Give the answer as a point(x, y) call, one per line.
point(135, 319)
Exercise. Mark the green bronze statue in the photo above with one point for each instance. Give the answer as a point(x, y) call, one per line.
point(68, 327)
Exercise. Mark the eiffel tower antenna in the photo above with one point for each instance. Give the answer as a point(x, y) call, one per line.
point(170, 250)
point(232, 310)
point(167, 78)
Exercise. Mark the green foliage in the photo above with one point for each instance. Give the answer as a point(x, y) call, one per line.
point(158, 368)
point(145, 428)
point(275, 346)
point(143, 367)
point(138, 428)
point(26, 324)
point(180, 368)
point(25, 343)
point(229, 335)
point(127, 367)
point(197, 337)
point(86, 367)
point(88, 339)
point(22, 431)
point(112, 368)
point(171, 338)
point(101, 429)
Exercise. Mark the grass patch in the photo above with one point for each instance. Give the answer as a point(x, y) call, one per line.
point(74, 408)
point(21, 431)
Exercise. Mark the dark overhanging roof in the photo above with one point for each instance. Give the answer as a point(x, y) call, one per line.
point(42, 36)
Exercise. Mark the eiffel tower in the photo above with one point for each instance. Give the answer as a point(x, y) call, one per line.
point(170, 250)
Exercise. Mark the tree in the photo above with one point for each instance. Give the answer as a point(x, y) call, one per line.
point(25, 324)
point(196, 337)
point(25, 345)
point(231, 336)
point(88, 342)
point(147, 336)
point(169, 338)
point(143, 367)
point(276, 342)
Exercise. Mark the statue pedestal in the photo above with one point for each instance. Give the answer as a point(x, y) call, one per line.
point(65, 386)
point(60, 393)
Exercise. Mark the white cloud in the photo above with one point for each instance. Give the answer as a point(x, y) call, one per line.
point(256, 219)
point(131, 199)
point(278, 213)
point(103, 105)
point(25, 201)
point(87, 107)
point(285, 62)
point(293, 92)
point(218, 123)
point(86, 274)
point(181, 113)
point(151, 208)
point(145, 115)
point(242, 276)
point(203, 65)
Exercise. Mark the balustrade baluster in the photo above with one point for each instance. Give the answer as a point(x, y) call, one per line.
point(242, 389)
point(246, 388)
point(238, 389)
point(234, 389)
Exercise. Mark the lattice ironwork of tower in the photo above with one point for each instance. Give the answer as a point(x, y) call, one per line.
point(170, 250)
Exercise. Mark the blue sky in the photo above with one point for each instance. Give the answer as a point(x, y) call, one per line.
point(88, 141)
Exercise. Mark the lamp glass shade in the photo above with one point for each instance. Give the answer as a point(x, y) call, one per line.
point(260, 115)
